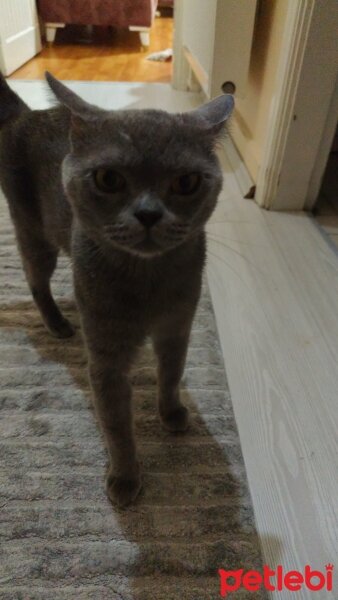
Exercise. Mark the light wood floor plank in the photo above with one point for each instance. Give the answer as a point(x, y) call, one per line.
point(276, 302)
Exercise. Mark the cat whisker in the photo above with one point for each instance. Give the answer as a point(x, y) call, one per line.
point(221, 258)
point(227, 221)
point(223, 237)
point(238, 253)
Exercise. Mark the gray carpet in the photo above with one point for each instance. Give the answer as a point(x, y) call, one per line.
point(60, 537)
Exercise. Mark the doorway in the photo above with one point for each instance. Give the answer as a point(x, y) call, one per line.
point(114, 52)
point(326, 207)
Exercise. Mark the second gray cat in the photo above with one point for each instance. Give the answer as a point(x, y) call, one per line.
point(127, 195)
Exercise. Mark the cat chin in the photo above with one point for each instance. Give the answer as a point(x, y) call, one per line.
point(146, 255)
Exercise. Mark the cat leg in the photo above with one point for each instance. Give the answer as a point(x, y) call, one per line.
point(39, 261)
point(170, 345)
point(108, 370)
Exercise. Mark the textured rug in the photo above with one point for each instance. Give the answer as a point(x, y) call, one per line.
point(60, 537)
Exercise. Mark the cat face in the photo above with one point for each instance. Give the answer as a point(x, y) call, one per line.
point(142, 181)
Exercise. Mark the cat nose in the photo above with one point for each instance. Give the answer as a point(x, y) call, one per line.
point(148, 216)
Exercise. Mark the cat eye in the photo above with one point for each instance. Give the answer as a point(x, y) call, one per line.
point(186, 185)
point(109, 181)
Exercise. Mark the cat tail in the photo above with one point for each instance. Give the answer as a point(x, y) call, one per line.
point(11, 106)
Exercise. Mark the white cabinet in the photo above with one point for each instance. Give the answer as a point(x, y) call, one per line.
point(19, 33)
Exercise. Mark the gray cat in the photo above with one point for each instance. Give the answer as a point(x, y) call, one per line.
point(127, 194)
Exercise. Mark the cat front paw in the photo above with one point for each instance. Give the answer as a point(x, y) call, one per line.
point(122, 490)
point(176, 420)
point(61, 329)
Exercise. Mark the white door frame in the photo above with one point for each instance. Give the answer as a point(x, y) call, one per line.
point(304, 114)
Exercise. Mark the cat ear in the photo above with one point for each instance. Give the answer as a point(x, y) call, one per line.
point(77, 106)
point(213, 115)
point(83, 114)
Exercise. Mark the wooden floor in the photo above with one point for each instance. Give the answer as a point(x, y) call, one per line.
point(274, 284)
point(111, 55)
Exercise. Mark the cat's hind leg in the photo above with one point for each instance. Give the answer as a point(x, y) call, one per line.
point(39, 260)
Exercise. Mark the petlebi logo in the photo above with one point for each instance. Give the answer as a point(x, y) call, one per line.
point(276, 580)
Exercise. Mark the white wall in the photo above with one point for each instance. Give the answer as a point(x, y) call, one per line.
point(216, 35)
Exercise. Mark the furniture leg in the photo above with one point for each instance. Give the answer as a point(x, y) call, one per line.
point(144, 33)
point(51, 31)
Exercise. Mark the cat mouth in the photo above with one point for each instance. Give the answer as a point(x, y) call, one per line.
point(148, 244)
point(142, 246)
